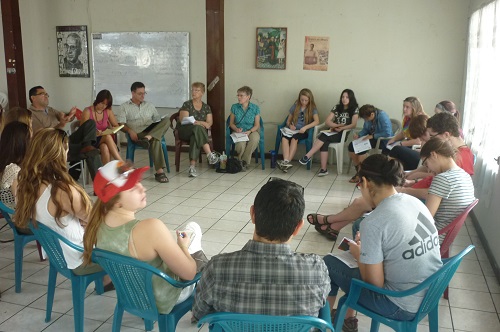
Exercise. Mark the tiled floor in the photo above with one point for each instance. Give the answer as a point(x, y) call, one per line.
point(220, 204)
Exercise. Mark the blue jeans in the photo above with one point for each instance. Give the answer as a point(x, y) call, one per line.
point(341, 276)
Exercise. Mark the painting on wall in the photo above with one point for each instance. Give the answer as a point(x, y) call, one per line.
point(271, 48)
point(72, 51)
point(316, 51)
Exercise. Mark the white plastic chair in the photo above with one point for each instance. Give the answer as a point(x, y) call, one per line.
point(338, 147)
point(396, 127)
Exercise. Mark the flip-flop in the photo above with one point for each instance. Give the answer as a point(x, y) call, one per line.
point(354, 179)
point(314, 217)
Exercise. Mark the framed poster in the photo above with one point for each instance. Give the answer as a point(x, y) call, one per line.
point(271, 48)
point(72, 51)
point(316, 51)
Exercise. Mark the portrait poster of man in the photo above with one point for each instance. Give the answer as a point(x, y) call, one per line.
point(316, 51)
point(72, 51)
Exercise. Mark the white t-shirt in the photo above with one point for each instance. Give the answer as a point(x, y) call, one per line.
point(400, 232)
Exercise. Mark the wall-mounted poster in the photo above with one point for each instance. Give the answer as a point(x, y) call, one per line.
point(72, 51)
point(316, 51)
point(271, 48)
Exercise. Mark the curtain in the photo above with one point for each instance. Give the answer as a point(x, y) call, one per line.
point(481, 121)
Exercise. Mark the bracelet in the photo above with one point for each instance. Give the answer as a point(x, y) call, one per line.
point(416, 180)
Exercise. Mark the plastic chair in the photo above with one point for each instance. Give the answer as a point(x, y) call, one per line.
point(260, 149)
point(229, 322)
point(435, 286)
point(20, 241)
point(308, 142)
point(174, 118)
point(338, 147)
point(131, 146)
point(450, 233)
point(134, 290)
point(50, 241)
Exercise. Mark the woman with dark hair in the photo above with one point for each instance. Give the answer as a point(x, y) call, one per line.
point(342, 117)
point(385, 246)
point(447, 106)
point(302, 116)
point(100, 111)
point(13, 144)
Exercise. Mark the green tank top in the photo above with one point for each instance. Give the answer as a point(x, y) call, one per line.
point(116, 239)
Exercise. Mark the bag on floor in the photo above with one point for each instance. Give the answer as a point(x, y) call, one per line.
point(233, 166)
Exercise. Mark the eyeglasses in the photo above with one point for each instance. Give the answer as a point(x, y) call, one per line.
point(241, 95)
point(430, 135)
point(273, 178)
point(43, 94)
point(424, 162)
point(141, 93)
point(196, 90)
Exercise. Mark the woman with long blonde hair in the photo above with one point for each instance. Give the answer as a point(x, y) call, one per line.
point(48, 194)
point(113, 226)
point(302, 116)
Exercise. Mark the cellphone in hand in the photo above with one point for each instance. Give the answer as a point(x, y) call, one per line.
point(344, 245)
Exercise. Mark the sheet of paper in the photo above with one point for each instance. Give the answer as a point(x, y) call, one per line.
point(361, 145)
point(329, 133)
point(390, 146)
point(346, 258)
point(188, 120)
point(288, 132)
point(239, 137)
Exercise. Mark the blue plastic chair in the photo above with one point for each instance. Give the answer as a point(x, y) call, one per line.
point(308, 142)
point(229, 322)
point(131, 146)
point(50, 241)
point(134, 290)
point(435, 286)
point(260, 149)
point(20, 241)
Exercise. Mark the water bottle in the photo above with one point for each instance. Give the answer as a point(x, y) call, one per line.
point(223, 160)
point(273, 158)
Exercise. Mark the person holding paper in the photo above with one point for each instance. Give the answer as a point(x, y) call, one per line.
point(342, 117)
point(100, 112)
point(302, 116)
point(196, 133)
point(403, 140)
point(377, 124)
point(245, 118)
point(388, 247)
point(145, 126)
point(80, 141)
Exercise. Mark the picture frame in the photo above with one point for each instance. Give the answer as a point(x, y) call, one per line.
point(271, 48)
point(72, 51)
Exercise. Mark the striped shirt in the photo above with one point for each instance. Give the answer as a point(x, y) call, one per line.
point(456, 191)
point(262, 278)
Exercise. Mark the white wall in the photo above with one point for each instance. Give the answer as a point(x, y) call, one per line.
point(384, 50)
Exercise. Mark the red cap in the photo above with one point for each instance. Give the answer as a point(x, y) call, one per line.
point(115, 177)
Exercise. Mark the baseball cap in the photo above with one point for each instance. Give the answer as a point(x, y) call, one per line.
point(115, 177)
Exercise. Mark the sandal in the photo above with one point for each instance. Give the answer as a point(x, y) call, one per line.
point(161, 177)
point(329, 232)
point(314, 217)
point(350, 324)
point(355, 178)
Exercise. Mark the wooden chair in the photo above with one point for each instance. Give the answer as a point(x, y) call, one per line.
point(174, 118)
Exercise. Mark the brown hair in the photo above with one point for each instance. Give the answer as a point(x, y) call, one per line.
point(45, 163)
point(198, 85)
point(416, 106)
point(19, 114)
point(246, 89)
point(366, 110)
point(96, 218)
point(102, 96)
point(438, 145)
point(311, 106)
point(418, 125)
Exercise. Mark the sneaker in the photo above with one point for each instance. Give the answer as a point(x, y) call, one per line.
point(286, 165)
point(212, 158)
point(243, 166)
point(192, 172)
point(194, 232)
point(304, 160)
point(323, 172)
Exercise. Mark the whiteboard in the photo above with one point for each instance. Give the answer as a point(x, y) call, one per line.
point(160, 60)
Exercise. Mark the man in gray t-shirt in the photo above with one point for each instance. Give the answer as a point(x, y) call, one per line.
point(407, 243)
